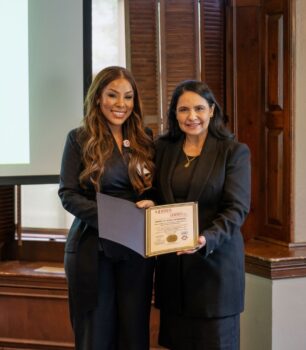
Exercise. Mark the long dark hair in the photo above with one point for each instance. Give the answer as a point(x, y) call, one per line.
point(216, 125)
point(96, 137)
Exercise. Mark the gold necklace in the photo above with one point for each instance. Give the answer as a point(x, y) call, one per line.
point(189, 160)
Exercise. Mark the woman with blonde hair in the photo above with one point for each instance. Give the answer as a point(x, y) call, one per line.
point(109, 285)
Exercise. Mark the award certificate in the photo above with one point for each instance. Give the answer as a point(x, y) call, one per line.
point(171, 228)
point(158, 230)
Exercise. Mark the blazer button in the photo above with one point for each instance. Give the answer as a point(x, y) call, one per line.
point(211, 252)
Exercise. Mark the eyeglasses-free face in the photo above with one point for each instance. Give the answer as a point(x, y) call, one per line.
point(117, 102)
point(193, 113)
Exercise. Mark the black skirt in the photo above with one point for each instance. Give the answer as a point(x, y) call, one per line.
point(185, 333)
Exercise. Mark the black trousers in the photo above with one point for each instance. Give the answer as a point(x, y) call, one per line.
point(185, 333)
point(121, 318)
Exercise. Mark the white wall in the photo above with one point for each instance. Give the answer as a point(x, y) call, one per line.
point(275, 314)
point(256, 320)
point(299, 107)
point(289, 314)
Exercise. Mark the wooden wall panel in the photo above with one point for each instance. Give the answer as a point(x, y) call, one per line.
point(274, 169)
point(274, 32)
point(247, 119)
point(34, 307)
point(278, 143)
point(261, 110)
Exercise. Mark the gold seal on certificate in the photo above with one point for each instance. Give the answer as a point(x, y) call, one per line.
point(158, 230)
point(171, 228)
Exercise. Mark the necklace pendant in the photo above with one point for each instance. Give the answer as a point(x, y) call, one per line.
point(186, 165)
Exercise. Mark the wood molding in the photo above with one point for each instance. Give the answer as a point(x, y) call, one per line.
point(30, 344)
point(274, 261)
point(51, 232)
point(36, 250)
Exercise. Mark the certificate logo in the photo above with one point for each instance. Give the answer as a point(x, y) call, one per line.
point(171, 238)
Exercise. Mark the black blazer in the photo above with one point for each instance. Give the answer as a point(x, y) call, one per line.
point(83, 241)
point(209, 283)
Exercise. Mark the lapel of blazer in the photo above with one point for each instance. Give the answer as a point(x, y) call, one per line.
point(203, 169)
point(169, 161)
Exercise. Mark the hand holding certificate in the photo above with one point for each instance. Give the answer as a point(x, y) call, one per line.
point(154, 231)
point(171, 228)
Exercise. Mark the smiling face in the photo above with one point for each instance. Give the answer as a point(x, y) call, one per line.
point(117, 102)
point(193, 114)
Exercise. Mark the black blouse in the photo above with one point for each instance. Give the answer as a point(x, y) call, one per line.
point(115, 179)
point(182, 177)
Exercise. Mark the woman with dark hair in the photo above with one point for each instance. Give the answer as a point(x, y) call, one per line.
point(109, 285)
point(200, 292)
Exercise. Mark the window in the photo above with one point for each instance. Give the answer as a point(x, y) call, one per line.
point(108, 34)
point(41, 210)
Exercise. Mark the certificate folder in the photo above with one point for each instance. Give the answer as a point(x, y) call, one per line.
point(157, 230)
point(122, 222)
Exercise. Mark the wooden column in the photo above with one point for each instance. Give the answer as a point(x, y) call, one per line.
point(262, 117)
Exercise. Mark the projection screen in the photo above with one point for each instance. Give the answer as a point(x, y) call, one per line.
point(41, 85)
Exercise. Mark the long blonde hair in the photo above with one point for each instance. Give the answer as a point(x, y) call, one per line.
point(97, 141)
